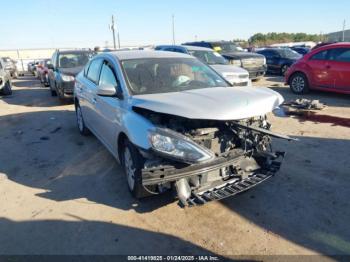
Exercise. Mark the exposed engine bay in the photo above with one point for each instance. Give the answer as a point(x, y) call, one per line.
point(242, 157)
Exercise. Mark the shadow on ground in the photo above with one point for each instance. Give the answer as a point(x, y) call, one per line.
point(28, 91)
point(54, 156)
point(306, 203)
point(88, 237)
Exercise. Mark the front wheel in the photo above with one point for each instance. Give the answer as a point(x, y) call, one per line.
point(52, 91)
point(299, 84)
point(133, 163)
point(7, 90)
point(284, 70)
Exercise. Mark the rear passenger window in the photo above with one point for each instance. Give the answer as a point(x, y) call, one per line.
point(93, 73)
point(340, 54)
point(320, 55)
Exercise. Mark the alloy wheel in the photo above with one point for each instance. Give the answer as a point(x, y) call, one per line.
point(298, 84)
point(129, 168)
point(80, 120)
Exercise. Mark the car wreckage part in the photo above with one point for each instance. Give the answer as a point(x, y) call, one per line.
point(241, 156)
point(190, 197)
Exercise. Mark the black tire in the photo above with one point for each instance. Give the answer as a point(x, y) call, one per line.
point(7, 90)
point(52, 91)
point(135, 162)
point(284, 70)
point(299, 83)
point(80, 121)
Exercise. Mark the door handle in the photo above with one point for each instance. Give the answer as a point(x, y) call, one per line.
point(94, 100)
point(328, 66)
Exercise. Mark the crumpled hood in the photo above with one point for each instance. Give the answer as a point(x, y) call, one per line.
point(220, 103)
point(229, 69)
point(71, 71)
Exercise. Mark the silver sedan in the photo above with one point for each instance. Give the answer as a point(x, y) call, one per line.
point(175, 123)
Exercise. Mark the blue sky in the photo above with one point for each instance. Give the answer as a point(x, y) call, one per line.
point(84, 23)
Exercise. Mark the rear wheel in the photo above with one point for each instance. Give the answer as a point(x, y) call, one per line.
point(80, 121)
point(299, 84)
point(7, 90)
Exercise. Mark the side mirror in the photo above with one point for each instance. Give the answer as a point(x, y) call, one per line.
point(106, 90)
point(50, 66)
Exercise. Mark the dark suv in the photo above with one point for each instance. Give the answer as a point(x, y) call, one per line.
point(65, 65)
point(255, 64)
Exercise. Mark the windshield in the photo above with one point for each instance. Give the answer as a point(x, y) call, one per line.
point(209, 57)
point(226, 47)
point(69, 60)
point(288, 53)
point(164, 75)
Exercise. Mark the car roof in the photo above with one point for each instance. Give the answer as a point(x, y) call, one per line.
point(188, 47)
point(339, 44)
point(197, 48)
point(74, 51)
point(138, 54)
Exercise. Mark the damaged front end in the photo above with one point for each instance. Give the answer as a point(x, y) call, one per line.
point(208, 160)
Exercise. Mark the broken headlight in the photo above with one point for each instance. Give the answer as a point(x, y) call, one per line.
point(174, 145)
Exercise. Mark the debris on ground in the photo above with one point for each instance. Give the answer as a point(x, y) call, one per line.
point(56, 130)
point(305, 104)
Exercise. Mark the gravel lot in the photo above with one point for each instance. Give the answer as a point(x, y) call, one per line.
point(61, 193)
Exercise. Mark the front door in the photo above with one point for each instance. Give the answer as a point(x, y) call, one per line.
point(339, 63)
point(108, 109)
point(321, 71)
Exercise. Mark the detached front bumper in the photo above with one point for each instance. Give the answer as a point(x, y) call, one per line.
point(224, 188)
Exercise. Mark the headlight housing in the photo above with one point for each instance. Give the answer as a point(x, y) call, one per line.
point(67, 78)
point(236, 62)
point(173, 145)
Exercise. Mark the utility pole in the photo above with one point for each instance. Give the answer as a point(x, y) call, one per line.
point(344, 23)
point(113, 31)
point(173, 19)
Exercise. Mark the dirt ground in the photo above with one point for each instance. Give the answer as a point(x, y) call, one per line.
point(61, 193)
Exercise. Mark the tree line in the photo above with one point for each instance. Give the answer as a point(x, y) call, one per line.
point(261, 39)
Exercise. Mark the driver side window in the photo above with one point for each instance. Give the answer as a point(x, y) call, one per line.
point(107, 76)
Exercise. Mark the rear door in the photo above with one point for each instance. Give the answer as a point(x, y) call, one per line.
point(339, 66)
point(89, 93)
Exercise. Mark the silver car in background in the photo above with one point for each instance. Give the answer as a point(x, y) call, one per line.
point(5, 79)
point(174, 123)
point(237, 76)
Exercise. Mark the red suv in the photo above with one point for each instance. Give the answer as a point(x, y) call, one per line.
point(325, 68)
